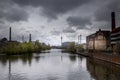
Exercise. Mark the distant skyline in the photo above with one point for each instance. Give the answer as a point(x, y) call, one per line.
point(46, 20)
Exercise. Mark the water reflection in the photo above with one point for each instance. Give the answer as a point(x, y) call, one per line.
point(9, 69)
point(25, 59)
point(72, 58)
point(101, 70)
point(45, 66)
point(56, 66)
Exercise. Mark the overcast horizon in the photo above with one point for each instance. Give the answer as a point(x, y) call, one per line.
point(47, 20)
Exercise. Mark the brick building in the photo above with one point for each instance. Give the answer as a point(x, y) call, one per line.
point(100, 40)
point(115, 31)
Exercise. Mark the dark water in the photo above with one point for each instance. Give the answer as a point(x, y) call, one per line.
point(56, 66)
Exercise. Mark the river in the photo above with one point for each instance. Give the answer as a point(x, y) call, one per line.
point(55, 65)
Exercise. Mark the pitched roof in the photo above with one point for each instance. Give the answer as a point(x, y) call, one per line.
point(105, 33)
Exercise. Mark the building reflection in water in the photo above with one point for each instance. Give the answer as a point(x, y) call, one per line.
point(100, 70)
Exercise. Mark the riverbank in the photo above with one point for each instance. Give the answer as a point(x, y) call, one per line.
point(84, 53)
point(104, 56)
point(18, 48)
point(112, 58)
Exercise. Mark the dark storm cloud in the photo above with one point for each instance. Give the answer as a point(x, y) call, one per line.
point(104, 12)
point(79, 22)
point(51, 8)
point(11, 12)
point(16, 14)
point(1, 22)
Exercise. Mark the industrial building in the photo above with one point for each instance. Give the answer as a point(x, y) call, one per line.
point(115, 32)
point(100, 40)
point(103, 39)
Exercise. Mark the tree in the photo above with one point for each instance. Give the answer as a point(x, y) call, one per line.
point(71, 47)
point(79, 47)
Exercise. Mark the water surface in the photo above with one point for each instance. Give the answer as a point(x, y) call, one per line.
point(55, 66)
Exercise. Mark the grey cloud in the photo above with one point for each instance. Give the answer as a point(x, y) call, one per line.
point(42, 26)
point(16, 14)
point(11, 12)
point(55, 32)
point(79, 22)
point(104, 12)
point(72, 37)
point(100, 25)
point(1, 21)
point(51, 8)
point(69, 30)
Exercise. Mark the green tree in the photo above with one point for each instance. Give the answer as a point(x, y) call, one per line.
point(79, 47)
point(71, 47)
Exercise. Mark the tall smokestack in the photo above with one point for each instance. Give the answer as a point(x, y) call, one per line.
point(10, 34)
point(113, 25)
point(29, 37)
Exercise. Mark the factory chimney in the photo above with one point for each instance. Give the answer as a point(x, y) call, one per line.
point(29, 37)
point(10, 34)
point(113, 25)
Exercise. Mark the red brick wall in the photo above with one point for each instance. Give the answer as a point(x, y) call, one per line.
point(107, 57)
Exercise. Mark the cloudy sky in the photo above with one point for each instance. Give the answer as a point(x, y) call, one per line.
point(47, 20)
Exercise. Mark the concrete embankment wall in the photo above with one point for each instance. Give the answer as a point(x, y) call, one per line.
point(107, 57)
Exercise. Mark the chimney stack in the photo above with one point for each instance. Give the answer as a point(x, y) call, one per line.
point(10, 34)
point(29, 37)
point(113, 25)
